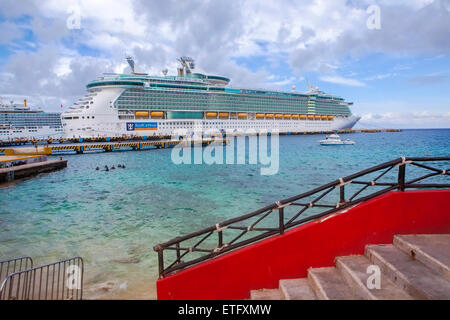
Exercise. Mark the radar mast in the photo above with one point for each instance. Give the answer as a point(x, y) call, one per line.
point(130, 61)
point(187, 65)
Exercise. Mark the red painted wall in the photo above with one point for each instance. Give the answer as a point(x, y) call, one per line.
point(314, 244)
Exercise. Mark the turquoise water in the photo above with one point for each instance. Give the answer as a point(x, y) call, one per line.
point(113, 219)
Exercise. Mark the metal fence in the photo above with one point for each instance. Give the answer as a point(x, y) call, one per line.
point(183, 252)
point(61, 280)
point(13, 265)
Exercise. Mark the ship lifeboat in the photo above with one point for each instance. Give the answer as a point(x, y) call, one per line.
point(303, 116)
point(223, 114)
point(294, 117)
point(242, 115)
point(278, 116)
point(330, 117)
point(317, 117)
point(323, 117)
point(287, 116)
point(310, 116)
point(211, 114)
point(259, 116)
point(157, 114)
point(141, 114)
point(269, 115)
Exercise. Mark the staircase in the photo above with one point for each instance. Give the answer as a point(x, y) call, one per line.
point(413, 267)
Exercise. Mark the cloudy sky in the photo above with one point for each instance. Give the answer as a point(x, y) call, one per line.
point(397, 75)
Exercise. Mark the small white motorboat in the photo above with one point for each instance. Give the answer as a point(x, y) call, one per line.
point(334, 139)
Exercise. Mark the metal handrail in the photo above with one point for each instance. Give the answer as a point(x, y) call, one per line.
point(60, 280)
point(9, 266)
point(344, 202)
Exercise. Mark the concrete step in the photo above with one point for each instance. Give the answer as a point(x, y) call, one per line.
point(329, 284)
point(355, 271)
point(433, 250)
point(411, 275)
point(266, 294)
point(297, 289)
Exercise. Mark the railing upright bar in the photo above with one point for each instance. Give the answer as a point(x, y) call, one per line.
point(342, 194)
point(161, 261)
point(177, 245)
point(401, 177)
point(220, 239)
point(281, 219)
point(82, 277)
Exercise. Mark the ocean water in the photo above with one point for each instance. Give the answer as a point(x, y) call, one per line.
point(113, 219)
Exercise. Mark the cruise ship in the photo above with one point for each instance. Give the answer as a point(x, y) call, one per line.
point(137, 104)
point(19, 121)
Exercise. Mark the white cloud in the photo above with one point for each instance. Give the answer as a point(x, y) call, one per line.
point(380, 76)
point(313, 36)
point(419, 119)
point(343, 81)
point(9, 31)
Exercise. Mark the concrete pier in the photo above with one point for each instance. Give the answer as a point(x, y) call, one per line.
point(62, 141)
point(30, 169)
point(80, 148)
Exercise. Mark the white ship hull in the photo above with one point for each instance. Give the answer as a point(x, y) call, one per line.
point(119, 128)
point(28, 133)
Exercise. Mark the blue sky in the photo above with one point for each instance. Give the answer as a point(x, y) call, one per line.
point(397, 75)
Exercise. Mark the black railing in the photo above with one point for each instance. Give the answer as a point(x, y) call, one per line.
point(61, 280)
point(284, 214)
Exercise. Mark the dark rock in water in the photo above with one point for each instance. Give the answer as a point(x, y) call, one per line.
point(113, 168)
point(97, 168)
point(107, 286)
point(129, 260)
point(99, 290)
point(136, 251)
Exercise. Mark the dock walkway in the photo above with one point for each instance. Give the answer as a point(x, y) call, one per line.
point(80, 148)
point(30, 169)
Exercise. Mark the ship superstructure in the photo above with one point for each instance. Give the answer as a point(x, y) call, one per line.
point(19, 121)
point(138, 104)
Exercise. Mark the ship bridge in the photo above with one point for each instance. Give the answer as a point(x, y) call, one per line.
point(211, 80)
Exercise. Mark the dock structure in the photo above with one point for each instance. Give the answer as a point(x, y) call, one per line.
point(49, 140)
point(29, 169)
point(81, 145)
point(56, 141)
point(80, 148)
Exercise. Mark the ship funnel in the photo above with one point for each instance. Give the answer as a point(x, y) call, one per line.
point(131, 63)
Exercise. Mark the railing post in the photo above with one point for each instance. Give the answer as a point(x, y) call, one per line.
point(342, 194)
point(178, 251)
point(160, 262)
point(281, 219)
point(219, 234)
point(401, 177)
